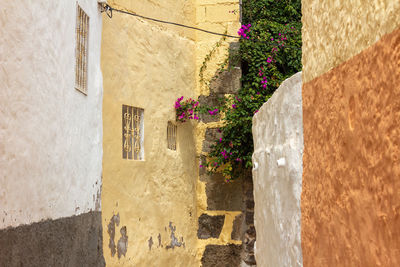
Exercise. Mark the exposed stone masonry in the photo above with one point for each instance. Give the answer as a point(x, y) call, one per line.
point(210, 226)
point(236, 196)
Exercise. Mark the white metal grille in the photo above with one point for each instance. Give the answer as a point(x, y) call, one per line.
point(171, 135)
point(81, 61)
point(132, 133)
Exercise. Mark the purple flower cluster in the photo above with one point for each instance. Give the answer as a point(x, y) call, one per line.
point(264, 80)
point(279, 42)
point(186, 109)
point(244, 31)
point(225, 154)
point(213, 112)
point(178, 102)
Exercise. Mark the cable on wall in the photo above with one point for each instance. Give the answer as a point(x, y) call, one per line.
point(109, 11)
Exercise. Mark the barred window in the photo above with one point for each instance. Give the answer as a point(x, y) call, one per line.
point(132, 133)
point(81, 51)
point(171, 136)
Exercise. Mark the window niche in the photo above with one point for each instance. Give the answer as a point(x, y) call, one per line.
point(81, 50)
point(171, 135)
point(132, 133)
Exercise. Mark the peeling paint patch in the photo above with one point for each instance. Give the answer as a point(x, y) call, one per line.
point(150, 242)
point(159, 240)
point(122, 246)
point(174, 241)
point(111, 232)
point(97, 204)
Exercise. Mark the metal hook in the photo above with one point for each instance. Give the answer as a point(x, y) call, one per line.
point(106, 8)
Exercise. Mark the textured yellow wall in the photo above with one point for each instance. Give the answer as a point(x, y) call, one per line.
point(214, 15)
point(148, 66)
point(179, 11)
point(336, 30)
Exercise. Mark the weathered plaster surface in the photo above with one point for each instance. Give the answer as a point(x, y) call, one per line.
point(149, 66)
point(71, 241)
point(335, 30)
point(50, 133)
point(350, 200)
point(277, 173)
point(183, 12)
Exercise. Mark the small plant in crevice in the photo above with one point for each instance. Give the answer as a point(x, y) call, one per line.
point(207, 58)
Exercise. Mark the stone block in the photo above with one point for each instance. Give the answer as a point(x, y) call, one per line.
point(249, 204)
point(237, 229)
point(200, 14)
point(203, 162)
point(226, 82)
point(212, 134)
point(210, 101)
point(222, 13)
point(251, 231)
point(250, 259)
point(210, 226)
point(249, 218)
point(221, 256)
point(222, 195)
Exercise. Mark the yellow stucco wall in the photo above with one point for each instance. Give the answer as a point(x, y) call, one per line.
point(148, 66)
point(336, 30)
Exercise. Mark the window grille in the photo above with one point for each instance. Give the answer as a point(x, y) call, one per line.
point(171, 135)
point(81, 57)
point(132, 133)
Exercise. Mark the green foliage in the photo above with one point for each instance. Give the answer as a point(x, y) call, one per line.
point(271, 55)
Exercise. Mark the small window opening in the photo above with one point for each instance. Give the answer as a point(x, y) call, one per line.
point(171, 136)
point(81, 50)
point(132, 133)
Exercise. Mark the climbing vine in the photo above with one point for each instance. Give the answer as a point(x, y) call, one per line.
point(208, 57)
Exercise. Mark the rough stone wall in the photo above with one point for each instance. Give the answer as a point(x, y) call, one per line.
point(277, 174)
point(218, 244)
point(350, 201)
point(149, 206)
point(336, 30)
point(50, 133)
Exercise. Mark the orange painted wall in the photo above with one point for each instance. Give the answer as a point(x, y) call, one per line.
point(351, 164)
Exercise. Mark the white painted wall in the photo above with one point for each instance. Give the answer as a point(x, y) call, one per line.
point(50, 133)
point(277, 176)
